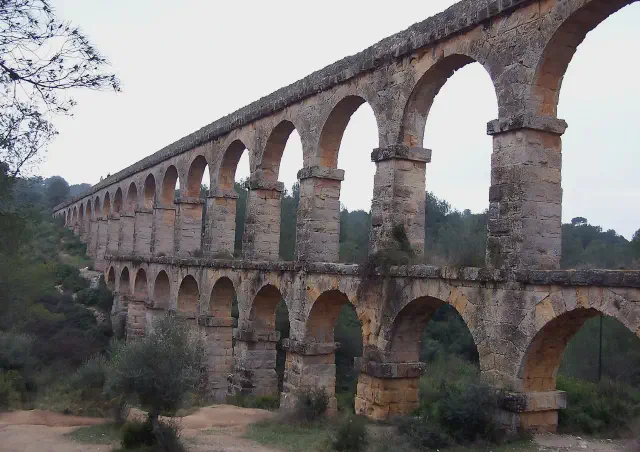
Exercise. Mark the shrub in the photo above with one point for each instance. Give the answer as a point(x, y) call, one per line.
point(136, 434)
point(158, 370)
point(592, 408)
point(12, 389)
point(267, 403)
point(15, 351)
point(311, 404)
point(421, 434)
point(351, 435)
point(249, 401)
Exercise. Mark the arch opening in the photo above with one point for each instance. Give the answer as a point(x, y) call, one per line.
point(124, 286)
point(149, 191)
point(348, 136)
point(234, 171)
point(111, 279)
point(198, 180)
point(74, 215)
point(81, 214)
point(96, 207)
point(439, 116)
point(140, 285)
point(221, 299)
point(188, 295)
point(333, 319)
point(106, 205)
point(162, 291)
point(584, 53)
point(170, 184)
point(281, 161)
point(89, 212)
point(117, 201)
point(132, 198)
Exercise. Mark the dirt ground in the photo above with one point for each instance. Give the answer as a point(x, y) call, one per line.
point(218, 428)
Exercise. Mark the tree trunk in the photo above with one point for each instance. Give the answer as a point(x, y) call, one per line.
point(157, 431)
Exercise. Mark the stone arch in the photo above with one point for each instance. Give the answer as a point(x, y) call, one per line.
point(262, 314)
point(162, 290)
point(132, 197)
point(140, 285)
point(423, 95)
point(89, 212)
point(81, 214)
point(74, 215)
point(169, 185)
point(556, 325)
point(221, 298)
point(149, 191)
point(188, 295)
point(96, 207)
point(111, 278)
point(65, 217)
point(274, 150)
point(125, 282)
point(576, 19)
point(117, 201)
point(106, 204)
point(194, 176)
point(229, 164)
point(334, 127)
point(324, 313)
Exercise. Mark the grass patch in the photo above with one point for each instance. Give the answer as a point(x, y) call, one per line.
point(291, 438)
point(96, 434)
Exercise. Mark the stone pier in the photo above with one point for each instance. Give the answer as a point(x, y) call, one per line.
point(254, 363)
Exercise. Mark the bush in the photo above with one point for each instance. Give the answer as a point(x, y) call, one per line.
point(136, 434)
point(608, 407)
point(12, 389)
point(249, 401)
point(311, 404)
point(15, 351)
point(421, 434)
point(351, 435)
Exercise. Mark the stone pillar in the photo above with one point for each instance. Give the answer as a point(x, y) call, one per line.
point(261, 237)
point(85, 231)
point(387, 389)
point(92, 245)
point(189, 226)
point(152, 314)
point(113, 235)
point(254, 363)
point(218, 334)
point(531, 411)
point(127, 228)
point(525, 198)
point(309, 365)
point(119, 314)
point(398, 196)
point(101, 248)
point(136, 317)
point(142, 235)
point(318, 218)
point(164, 220)
point(220, 223)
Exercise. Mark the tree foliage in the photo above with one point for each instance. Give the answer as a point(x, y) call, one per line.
point(41, 59)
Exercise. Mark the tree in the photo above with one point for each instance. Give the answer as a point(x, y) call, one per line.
point(635, 243)
point(578, 221)
point(57, 190)
point(158, 369)
point(41, 57)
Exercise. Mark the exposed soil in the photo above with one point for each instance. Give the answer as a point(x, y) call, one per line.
point(216, 428)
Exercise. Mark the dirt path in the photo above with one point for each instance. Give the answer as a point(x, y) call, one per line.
point(212, 428)
point(217, 428)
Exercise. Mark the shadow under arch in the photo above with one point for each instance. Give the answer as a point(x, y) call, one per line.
point(562, 45)
point(106, 205)
point(221, 299)
point(162, 291)
point(229, 164)
point(132, 198)
point(140, 285)
point(96, 207)
point(111, 279)
point(117, 201)
point(274, 150)
point(149, 192)
point(188, 295)
point(124, 287)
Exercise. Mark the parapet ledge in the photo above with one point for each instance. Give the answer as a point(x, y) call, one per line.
point(402, 152)
point(527, 121)
point(306, 348)
point(321, 172)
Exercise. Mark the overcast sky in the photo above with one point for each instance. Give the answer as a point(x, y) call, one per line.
point(184, 64)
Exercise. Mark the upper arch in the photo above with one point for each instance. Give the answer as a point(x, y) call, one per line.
point(194, 176)
point(229, 164)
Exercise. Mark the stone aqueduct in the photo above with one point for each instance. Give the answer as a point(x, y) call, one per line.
point(159, 253)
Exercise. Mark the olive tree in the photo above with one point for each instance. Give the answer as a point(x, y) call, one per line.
point(159, 369)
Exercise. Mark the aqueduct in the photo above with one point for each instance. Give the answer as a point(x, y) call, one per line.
point(162, 253)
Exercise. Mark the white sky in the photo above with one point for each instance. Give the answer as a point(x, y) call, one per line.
point(184, 64)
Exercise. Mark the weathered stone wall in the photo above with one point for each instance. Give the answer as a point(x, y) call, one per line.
point(521, 310)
